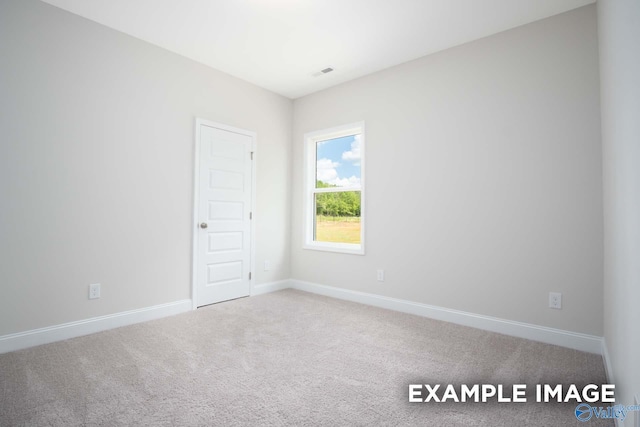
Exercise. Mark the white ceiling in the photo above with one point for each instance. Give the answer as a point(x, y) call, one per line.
point(281, 45)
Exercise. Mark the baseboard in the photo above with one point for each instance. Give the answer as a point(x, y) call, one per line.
point(265, 288)
point(577, 341)
point(65, 331)
point(574, 340)
point(608, 370)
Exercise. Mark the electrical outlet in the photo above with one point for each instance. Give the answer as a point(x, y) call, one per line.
point(94, 290)
point(267, 265)
point(380, 275)
point(555, 300)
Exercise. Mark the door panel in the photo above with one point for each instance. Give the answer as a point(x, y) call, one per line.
point(224, 199)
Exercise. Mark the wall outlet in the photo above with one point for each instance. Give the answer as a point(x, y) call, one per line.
point(267, 265)
point(380, 275)
point(555, 300)
point(94, 290)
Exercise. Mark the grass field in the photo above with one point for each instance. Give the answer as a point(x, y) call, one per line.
point(338, 229)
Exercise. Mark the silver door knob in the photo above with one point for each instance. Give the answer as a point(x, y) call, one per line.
point(203, 225)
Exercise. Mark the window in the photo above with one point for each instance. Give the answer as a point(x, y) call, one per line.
point(334, 189)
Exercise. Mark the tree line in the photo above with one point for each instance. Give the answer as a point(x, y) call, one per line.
point(341, 203)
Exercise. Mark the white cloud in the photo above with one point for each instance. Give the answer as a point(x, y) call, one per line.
point(326, 169)
point(347, 182)
point(326, 172)
point(353, 155)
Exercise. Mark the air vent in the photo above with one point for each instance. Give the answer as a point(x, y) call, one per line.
point(322, 72)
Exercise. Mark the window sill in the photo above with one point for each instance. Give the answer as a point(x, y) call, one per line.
point(344, 248)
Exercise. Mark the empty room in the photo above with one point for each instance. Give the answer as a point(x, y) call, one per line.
point(321, 213)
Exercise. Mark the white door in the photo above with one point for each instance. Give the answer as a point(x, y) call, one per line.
point(223, 214)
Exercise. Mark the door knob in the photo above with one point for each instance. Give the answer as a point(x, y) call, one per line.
point(203, 225)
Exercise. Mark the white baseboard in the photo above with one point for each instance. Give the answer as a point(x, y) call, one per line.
point(583, 342)
point(265, 288)
point(574, 340)
point(65, 331)
point(608, 370)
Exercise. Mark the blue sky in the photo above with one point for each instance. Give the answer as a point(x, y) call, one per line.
point(339, 161)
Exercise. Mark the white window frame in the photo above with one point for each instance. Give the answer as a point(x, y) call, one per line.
point(310, 141)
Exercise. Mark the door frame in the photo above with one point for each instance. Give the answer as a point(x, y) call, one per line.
point(196, 190)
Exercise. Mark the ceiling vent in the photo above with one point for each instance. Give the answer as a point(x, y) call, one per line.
point(326, 70)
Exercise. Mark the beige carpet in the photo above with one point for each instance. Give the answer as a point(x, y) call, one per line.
point(284, 359)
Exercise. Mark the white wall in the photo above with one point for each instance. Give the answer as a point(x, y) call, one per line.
point(484, 176)
point(96, 164)
point(619, 36)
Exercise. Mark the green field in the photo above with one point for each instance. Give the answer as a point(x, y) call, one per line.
point(337, 229)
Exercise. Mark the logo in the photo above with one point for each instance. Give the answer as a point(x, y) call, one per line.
point(583, 412)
